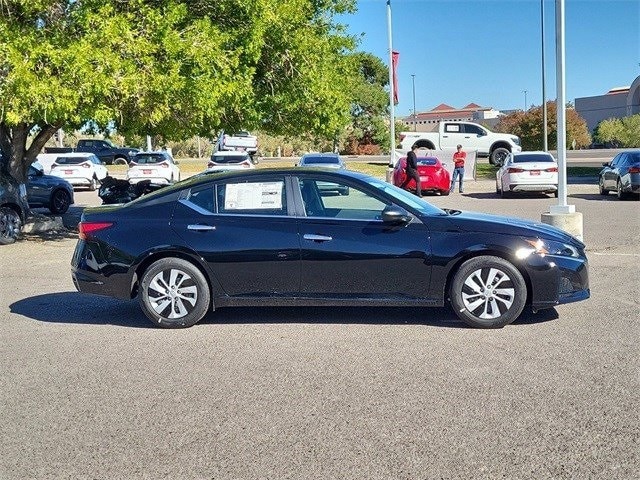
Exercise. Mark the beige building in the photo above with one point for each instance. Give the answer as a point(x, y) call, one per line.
point(428, 121)
point(616, 103)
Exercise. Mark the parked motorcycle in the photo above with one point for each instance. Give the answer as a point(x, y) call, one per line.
point(114, 190)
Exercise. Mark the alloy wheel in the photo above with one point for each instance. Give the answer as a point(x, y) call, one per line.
point(172, 293)
point(488, 293)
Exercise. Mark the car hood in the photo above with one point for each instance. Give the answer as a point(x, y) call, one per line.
point(486, 223)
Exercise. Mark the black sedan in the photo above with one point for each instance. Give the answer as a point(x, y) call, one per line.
point(622, 175)
point(273, 237)
point(48, 191)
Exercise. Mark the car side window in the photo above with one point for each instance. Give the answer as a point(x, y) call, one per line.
point(325, 199)
point(452, 128)
point(265, 197)
point(203, 198)
point(473, 129)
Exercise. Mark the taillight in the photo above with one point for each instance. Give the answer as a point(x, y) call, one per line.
point(54, 165)
point(246, 164)
point(515, 170)
point(634, 170)
point(164, 165)
point(402, 137)
point(211, 164)
point(86, 165)
point(552, 170)
point(87, 228)
point(132, 164)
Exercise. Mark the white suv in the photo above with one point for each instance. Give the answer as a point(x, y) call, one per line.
point(79, 169)
point(159, 167)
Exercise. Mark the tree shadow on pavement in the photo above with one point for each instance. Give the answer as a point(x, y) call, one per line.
point(78, 308)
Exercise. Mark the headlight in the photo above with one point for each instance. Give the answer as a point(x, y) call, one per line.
point(516, 140)
point(547, 247)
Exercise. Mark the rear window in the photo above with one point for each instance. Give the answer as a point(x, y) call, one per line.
point(320, 160)
point(148, 159)
point(230, 158)
point(71, 160)
point(532, 158)
point(427, 161)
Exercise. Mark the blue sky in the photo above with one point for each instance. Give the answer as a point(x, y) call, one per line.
point(489, 51)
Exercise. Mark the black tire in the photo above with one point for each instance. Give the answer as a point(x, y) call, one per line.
point(120, 161)
point(504, 193)
point(498, 189)
point(601, 189)
point(476, 299)
point(59, 202)
point(164, 279)
point(555, 194)
point(620, 194)
point(94, 184)
point(444, 193)
point(498, 156)
point(10, 225)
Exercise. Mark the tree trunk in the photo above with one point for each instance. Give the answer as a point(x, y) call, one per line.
point(16, 157)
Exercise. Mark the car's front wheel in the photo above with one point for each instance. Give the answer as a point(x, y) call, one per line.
point(60, 202)
point(120, 161)
point(488, 292)
point(10, 225)
point(174, 293)
point(601, 189)
point(620, 193)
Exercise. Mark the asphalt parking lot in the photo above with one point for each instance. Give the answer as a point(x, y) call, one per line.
point(89, 389)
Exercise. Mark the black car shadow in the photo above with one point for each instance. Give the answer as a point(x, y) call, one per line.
point(98, 310)
point(601, 198)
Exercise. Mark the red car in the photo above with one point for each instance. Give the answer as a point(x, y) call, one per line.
point(433, 176)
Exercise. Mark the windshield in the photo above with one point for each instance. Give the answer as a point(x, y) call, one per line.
point(405, 197)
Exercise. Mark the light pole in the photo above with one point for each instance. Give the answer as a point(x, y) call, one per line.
point(392, 118)
point(545, 145)
point(413, 83)
point(525, 100)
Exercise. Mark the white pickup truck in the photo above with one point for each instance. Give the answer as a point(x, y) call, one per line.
point(240, 142)
point(470, 135)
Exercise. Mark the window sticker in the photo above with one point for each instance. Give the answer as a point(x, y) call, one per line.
point(251, 196)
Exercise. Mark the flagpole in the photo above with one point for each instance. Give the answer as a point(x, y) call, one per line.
point(392, 121)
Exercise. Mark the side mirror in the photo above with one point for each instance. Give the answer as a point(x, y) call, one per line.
point(395, 215)
point(605, 164)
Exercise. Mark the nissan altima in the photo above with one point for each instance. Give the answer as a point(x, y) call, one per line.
point(274, 237)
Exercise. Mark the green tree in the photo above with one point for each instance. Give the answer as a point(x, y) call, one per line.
point(622, 132)
point(369, 128)
point(169, 68)
point(529, 127)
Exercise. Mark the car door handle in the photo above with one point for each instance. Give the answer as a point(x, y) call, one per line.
point(317, 238)
point(445, 136)
point(201, 228)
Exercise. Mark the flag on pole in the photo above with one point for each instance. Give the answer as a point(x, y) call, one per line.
point(395, 56)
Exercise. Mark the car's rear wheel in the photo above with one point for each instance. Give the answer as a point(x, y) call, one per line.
point(555, 194)
point(174, 293)
point(60, 202)
point(498, 156)
point(10, 225)
point(93, 184)
point(603, 191)
point(488, 292)
point(505, 193)
point(444, 193)
point(120, 161)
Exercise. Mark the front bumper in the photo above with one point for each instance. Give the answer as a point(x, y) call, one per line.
point(558, 280)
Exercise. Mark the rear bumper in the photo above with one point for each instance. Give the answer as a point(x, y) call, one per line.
point(157, 180)
point(533, 188)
